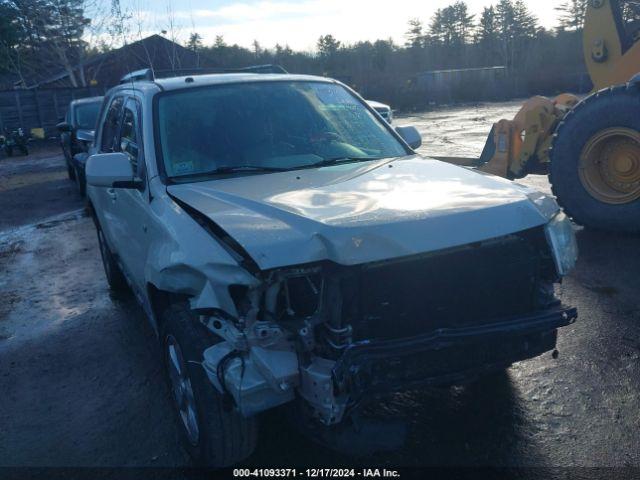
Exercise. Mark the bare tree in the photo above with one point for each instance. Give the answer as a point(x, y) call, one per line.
point(173, 30)
point(110, 27)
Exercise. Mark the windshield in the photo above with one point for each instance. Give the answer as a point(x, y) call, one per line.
point(267, 125)
point(87, 114)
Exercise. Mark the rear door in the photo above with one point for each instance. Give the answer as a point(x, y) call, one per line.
point(104, 198)
point(131, 206)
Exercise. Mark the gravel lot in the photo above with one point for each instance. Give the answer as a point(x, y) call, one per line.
point(81, 384)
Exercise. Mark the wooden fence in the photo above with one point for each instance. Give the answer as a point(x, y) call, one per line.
point(39, 108)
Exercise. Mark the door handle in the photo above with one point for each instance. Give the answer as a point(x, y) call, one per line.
point(112, 193)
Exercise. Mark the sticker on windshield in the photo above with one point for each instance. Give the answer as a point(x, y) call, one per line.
point(330, 95)
point(182, 168)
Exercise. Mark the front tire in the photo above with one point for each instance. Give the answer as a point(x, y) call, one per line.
point(213, 433)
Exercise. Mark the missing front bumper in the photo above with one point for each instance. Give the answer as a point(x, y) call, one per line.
point(446, 355)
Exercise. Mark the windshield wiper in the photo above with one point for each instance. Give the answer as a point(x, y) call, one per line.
point(232, 169)
point(243, 168)
point(228, 169)
point(334, 161)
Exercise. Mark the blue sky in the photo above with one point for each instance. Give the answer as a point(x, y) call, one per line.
point(297, 23)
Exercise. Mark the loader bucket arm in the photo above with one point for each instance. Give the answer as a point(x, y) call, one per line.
point(611, 48)
point(518, 147)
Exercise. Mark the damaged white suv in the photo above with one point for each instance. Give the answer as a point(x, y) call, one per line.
point(289, 247)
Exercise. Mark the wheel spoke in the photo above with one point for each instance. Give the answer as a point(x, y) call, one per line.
point(182, 390)
point(176, 359)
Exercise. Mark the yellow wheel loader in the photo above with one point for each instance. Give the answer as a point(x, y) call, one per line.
point(590, 148)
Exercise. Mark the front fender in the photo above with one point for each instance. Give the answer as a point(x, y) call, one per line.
point(185, 259)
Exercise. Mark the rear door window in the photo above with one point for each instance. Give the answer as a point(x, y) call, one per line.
point(130, 140)
point(111, 128)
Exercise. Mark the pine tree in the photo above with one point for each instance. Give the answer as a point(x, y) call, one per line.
point(505, 15)
point(524, 22)
point(452, 25)
point(382, 50)
point(282, 52)
point(572, 14)
point(219, 42)
point(464, 22)
point(487, 36)
point(57, 27)
point(328, 45)
point(415, 34)
point(11, 37)
point(195, 42)
point(10, 32)
point(487, 31)
point(257, 48)
point(442, 29)
point(436, 28)
point(41, 35)
point(516, 27)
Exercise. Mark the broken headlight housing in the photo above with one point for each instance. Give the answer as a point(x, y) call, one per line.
point(562, 240)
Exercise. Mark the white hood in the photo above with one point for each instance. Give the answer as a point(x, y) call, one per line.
point(361, 212)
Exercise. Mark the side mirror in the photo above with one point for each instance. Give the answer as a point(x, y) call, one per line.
point(85, 135)
point(411, 135)
point(111, 170)
point(64, 127)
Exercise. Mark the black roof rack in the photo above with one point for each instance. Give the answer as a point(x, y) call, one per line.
point(138, 75)
point(259, 69)
point(149, 75)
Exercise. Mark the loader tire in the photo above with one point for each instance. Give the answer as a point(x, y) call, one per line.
point(214, 433)
point(616, 109)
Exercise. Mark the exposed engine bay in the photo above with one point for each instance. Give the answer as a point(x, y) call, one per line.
point(330, 335)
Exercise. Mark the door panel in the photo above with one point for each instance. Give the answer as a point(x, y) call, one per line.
point(104, 198)
point(131, 205)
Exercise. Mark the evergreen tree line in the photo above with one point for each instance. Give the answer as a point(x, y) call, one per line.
point(47, 34)
point(507, 33)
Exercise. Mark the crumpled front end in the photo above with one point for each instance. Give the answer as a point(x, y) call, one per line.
point(331, 335)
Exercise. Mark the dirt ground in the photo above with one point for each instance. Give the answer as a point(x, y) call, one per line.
point(81, 384)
